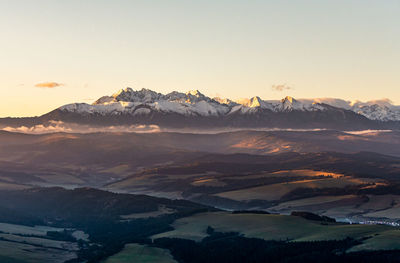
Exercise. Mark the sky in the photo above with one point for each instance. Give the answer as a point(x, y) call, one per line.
point(54, 52)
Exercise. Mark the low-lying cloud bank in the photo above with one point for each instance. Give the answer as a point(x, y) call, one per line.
point(59, 126)
point(367, 132)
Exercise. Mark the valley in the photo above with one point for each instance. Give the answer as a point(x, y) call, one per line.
point(132, 194)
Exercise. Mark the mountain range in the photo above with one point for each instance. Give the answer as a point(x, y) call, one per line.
point(195, 110)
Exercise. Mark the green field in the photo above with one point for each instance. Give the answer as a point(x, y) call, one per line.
point(43, 242)
point(385, 240)
point(317, 200)
point(392, 213)
point(20, 252)
point(290, 173)
point(342, 206)
point(162, 210)
point(276, 191)
point(281, 227)
point(30, 244)
point(380, 202)
point(141, 254)
point(345, 206)
point(27, 230)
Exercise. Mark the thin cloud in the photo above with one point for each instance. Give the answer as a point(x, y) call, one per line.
point(48, 85)
point(59, 126)
point(281, 87)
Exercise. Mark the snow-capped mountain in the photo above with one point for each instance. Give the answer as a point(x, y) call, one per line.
point(381, 110)
point(194, 103)
point(128, 101)
point(195, 110)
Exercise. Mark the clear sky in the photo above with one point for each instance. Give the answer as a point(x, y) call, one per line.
point(343, 49)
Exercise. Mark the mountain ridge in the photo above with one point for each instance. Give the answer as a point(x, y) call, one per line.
point(382, 110)
point(196, 110)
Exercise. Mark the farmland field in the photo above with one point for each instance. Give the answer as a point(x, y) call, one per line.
point(33, 253)
point(17, 240)
point(276, 191)
point(162, 210)
point(310, 201)
point(141, 254)
point(27, 230)
point(386, 240)
point(277, 227)
point(392, 213)
point(292, 173)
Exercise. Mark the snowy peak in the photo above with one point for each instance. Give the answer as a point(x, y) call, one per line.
point(190, 97)
point(290, 103)
point(195, 93)
point(195, 96)
point(143, 95)
point(256, 102)
point(381, 110)
point(377, 111)
point(286, 104)
point(225, 101)
point(288, 100)
point(253, 102)
point(129, 95)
